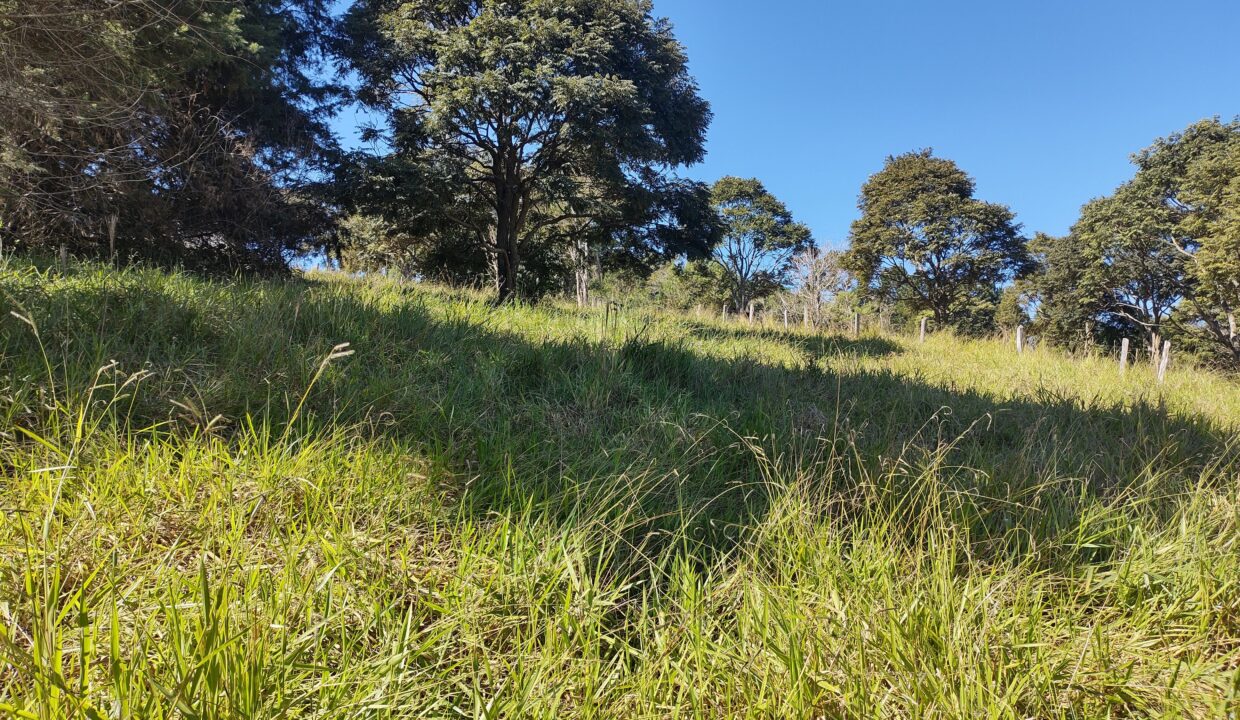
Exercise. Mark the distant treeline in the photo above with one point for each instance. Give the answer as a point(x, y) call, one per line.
point(534, 147)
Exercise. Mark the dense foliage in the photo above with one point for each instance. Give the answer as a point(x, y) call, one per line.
point(1160, 256)
point(533, 128)
point(924, 241)
point(178, 130)
point(760, 239)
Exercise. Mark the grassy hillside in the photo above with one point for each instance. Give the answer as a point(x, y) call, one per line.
point(552, 512)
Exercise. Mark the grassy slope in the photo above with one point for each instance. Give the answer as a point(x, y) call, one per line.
point(549, 512)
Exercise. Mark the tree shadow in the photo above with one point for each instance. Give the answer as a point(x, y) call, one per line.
point(654, 441)
point(811, 345)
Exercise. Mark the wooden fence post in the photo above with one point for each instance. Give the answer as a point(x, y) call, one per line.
point(751, 312)
point(112, 220)
point(923, 328)
point(1020, 338)
point(785, 317)
point(806, 316)
point(725, 312)
point(856, 324)
point(1123, 356)
point(64, 255)
point(1166, 360)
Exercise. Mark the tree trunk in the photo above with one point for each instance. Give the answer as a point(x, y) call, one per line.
point(740, 297)
point(507, 230)
point(509, 264)
point(583, 286)
point(510, 205)
point(581, 273)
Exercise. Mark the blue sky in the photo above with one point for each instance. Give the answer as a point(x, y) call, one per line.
point(1042, 102)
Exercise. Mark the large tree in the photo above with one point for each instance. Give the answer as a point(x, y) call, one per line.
point(1125, 245)
point(1196, 174)
point(1216, 263)
point(549, 112)
point(1161, 253)
point(178, 129)
point(760, 238)
point(924, 240)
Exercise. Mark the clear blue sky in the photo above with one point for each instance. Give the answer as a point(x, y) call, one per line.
point(1042, 102)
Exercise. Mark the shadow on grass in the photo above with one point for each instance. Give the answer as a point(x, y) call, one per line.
point(649, 438)
point(813, 346)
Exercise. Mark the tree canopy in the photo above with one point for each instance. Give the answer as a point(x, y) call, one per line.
point(1130, 267)
point(1160, 255)
point(551, 118)
point(925, 241)
point(759, 238)
point(1065, 313)
point(173, 129)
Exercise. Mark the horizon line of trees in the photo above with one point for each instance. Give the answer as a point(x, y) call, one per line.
point(536, 147)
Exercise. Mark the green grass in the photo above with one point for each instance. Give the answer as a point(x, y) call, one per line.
point(210, 510)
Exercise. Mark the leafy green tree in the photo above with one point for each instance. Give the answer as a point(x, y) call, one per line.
point(924, 240)
point(1197, 174)
point(759, 239)
point(185, 130)
point(1013, 308)
point(689, 285)
point(1067, 310)
point(1131, 269)
point(549, 111)
point(1160, 255)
